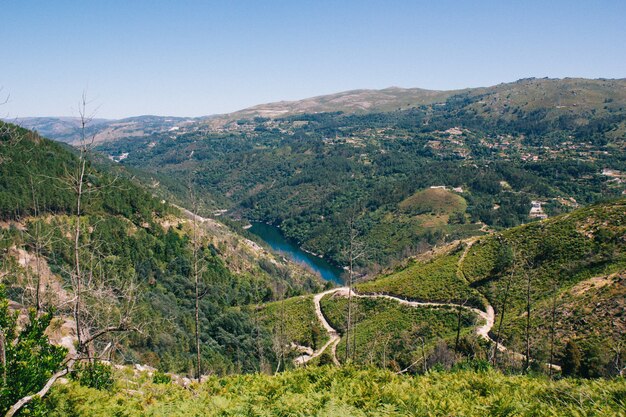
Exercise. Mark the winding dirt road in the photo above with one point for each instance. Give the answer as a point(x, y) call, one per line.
point(483, 330)
point(334, 337)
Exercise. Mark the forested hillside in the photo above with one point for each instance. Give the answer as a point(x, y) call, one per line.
point(559, 142)
point(438, 208)
point(131, 242)
point(552, 284)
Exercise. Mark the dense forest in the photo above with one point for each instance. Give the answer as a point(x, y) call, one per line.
point(311, 173)
point(128, 236)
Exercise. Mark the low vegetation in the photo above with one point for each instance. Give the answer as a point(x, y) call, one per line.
point(436, 281)
point(391, 335)
point(330, 391)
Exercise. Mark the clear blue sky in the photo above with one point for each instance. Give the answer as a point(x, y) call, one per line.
point(203, 57)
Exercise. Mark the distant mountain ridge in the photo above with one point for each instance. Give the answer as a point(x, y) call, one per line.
point(555, 98)
point(67, 129)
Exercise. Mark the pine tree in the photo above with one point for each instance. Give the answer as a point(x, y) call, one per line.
point(571, 359)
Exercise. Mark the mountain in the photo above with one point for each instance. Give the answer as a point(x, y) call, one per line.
point(557, 143)
point(354, 101)
point(68, 129)
point(575, 99)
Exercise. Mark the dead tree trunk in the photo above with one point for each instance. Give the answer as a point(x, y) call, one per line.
point(502, 313)
point(459, 312)
point(356, 251)
point(197, 274)
point(528, 299)
point(552, 331)
point(78, 189)
point(3, 357)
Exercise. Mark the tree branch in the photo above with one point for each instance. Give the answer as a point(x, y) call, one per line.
point(42, 392)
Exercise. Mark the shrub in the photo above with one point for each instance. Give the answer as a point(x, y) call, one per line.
point(161, 378)
point(571, 359)
point(96, 375)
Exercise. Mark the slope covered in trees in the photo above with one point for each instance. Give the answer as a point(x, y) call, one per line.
point(566, 272)
point(129, 239)
point(560, 142)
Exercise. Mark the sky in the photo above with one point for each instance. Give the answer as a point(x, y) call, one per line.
point(194, 58)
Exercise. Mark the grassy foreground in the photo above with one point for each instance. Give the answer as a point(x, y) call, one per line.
point(348, 391)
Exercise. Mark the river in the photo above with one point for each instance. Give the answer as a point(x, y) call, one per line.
point(275, 239)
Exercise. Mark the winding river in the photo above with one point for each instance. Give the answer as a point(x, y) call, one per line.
point(275, 239)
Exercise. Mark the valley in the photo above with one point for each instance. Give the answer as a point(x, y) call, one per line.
point(345, 235)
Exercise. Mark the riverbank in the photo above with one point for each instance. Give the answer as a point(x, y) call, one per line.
point(273, 236)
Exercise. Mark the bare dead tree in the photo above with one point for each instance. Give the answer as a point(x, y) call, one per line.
point(459, 314)
point(3, 357)
point(101, 305)
point(528, 277)
point(76, 180)
point(279, 339)
point(356, 251)
point(198, 270)
point(503, 309)
point(257, 327)
point(40, 240)
point(553, 324)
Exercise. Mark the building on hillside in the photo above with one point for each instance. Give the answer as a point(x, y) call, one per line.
point(536, 210)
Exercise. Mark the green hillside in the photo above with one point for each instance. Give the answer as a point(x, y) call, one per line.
point(129, 238)
point(387, 334)
point(294, 320)
point(569, 268)
point(557, 256)
point(438, 281)
point(501, 147)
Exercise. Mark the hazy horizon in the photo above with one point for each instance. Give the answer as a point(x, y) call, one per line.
point(201, 59)
point(96, 116)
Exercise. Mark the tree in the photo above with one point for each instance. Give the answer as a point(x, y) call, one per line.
point(355, 251)
point(198, 269)
point(528, 277)
point(459, 317)
point(571, 359)
point(279, 337)
point(553, 323)
point(594, 360)
point(101, 304)
point(507, 288)
point(38, 241)
point(27, 359)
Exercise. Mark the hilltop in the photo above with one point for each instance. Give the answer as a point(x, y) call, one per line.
point(575, 99)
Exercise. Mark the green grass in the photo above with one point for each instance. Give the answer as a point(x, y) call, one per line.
point(347, 391)
point(555, 255)
point(435, 281)
point(387, 332)
point(301, 325)
point(433, 200)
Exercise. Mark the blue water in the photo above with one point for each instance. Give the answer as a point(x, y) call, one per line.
point(275, 239)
